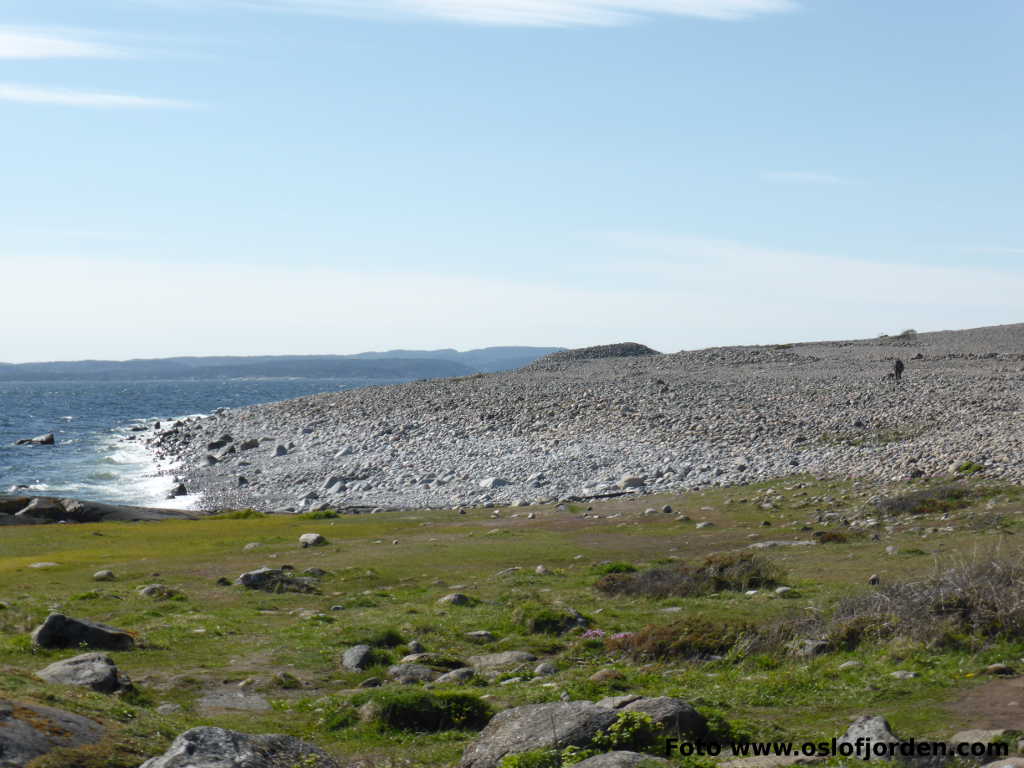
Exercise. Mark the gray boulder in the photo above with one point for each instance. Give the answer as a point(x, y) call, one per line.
point(621, 760)
point(554, 725)
point(487, 661)
point(28, 731)
point(312, 540)
point(873, 727)
point(60, 631)
point(675, 715)
point(209, 747)
point(357, 657)
point(408, 674)
point(276, 580)
point(460, 675)
point(93, 670)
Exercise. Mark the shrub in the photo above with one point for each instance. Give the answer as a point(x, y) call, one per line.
point(605, 568)
point(984, 599)
point(634, 731)
point(419, 710)
point(691, 638)
point(319, 514)
point(536, 758)
point(733, 571)
point(540, 619)
point(831, 537)
point(239, 514)
point(970, 468)
point(930, 501)
point(388, 637)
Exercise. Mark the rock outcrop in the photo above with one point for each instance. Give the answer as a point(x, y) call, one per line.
point(28, 731)
point(209, 747)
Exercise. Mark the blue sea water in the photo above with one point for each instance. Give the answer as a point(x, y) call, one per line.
point(90, 421)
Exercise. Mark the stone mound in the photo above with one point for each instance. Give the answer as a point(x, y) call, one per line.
point(623, 349)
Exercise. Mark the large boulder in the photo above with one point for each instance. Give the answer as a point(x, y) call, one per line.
point(30, 730)
point(554, 725)
point(93, 670)
point(409, 674)
point(209, 747)
point(675, 716)
point(60, 631)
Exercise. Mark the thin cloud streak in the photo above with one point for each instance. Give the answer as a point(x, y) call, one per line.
point(54, 96)
point(519, 13)
point(19, 43)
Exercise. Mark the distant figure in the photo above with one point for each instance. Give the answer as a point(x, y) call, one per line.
point(897, 369)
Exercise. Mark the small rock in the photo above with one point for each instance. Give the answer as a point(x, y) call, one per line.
point(357, 657)
point(455, 598)
point(103, 576)
point(312, 540)
point(605, 675)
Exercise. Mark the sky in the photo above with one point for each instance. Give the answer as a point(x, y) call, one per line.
point(191, 177)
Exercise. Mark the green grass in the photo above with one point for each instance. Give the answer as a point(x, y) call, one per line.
point(214, 637)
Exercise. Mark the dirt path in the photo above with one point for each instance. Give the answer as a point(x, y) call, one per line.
point(996, 704)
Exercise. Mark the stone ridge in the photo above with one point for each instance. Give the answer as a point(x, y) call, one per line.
point(623, 349)
point(643, 424)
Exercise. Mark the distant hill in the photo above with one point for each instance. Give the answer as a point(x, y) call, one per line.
point(396, 364)
point(485, 360)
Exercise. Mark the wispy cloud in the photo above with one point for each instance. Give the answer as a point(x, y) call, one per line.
point(22, 43)
point(31, 95)
point(519, 13)
point(803, 177)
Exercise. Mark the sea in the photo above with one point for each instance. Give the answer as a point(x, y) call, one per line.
point(91, 459)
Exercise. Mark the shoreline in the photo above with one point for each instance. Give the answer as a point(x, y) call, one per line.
point(640, 425)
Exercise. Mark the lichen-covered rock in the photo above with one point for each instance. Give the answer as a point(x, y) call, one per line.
point(209, 747)
point(553, 725)
point(93, 670)
point(28, 731)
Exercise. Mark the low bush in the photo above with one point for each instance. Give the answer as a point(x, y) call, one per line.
point(388, 637)
point(540, 619)
point(688, 639)
point(831, 537)
point(980, 599)
point(419, 710)
point(930, 501)
point(238, 514)
point(723, 571)
point(605, 568)
point(319, 514)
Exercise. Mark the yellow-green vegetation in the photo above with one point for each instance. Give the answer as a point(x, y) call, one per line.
point(944, 614)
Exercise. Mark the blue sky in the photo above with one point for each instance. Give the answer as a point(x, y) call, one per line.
point(293, 176)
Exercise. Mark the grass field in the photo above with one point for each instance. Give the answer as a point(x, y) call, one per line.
point(387, 571)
